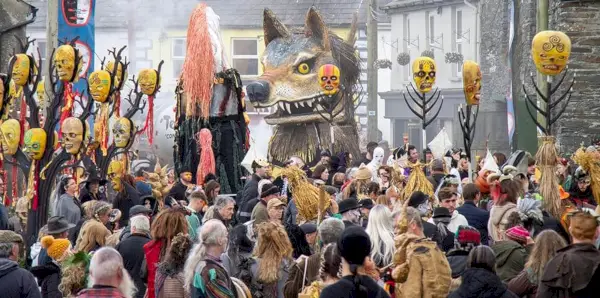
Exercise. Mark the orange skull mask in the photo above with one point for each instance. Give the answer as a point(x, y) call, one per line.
point(329, 79)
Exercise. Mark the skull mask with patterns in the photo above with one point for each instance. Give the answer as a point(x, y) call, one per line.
point(72, 135)
point(122, 132)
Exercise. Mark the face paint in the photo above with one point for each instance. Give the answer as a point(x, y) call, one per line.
point(329, 79)
point(550, 51)
point(21, 69)
point(122, 132)
point(72, 135)
point(99, 82)
point(11, 136)
point(424, 73)
point(423, 209)
point(35, 143)
point(471, 82)
point(148, 79)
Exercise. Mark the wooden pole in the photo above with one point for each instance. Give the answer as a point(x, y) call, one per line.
point(51, 43)
point(371, 72)
point(542, 80)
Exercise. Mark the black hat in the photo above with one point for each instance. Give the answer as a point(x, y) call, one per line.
point(94, 177)
point(367, 203)
point(309, 228)
point(348, 204)
point(354, 245)
point(269, 189)
point(58, 224)
point(427, 151)
point(440, 212)
point(417, 198)
point(139, 209)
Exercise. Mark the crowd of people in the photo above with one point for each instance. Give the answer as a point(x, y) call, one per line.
point(371, 237)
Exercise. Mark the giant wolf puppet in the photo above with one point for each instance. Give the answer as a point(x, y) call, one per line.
point(290, 83)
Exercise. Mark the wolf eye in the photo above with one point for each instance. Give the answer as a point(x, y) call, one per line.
point(303, 68)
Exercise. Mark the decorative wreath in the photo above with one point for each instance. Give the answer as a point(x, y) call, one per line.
point(428, 53)
point(453, 57)
point(403, 58)
point(383, 63)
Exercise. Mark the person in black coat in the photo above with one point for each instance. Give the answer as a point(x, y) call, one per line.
point(178, 191)
point(132, 251)
point(480, 279)
point(421, 202)
point(126, 198)
point(15, 282)
point(48, 277)
point(251, 190)
point(91, 187)
point(476, 217)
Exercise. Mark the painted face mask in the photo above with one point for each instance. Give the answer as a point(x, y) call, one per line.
point(550, 51)
point(329, 79)
point(40, 93)
point(110, 66)
point(64, 60)
point(378, 155)
point(186, 176)
point(122, 132)
point(35, 143)
point(472, 82)
point(99, 85)
point(115, 173)
point(148, 81)
point(21, 69)
point(72, 135)
point(424, 73)
point(11, 136)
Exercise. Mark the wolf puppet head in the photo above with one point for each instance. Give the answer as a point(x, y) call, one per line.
point(291, 62)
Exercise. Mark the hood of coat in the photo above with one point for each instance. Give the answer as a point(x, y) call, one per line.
point(573, 267)
point(504, 249)
point(499, 212)
point(457, 259)
point(7, 266)
point(481, 283)
point(41, 272)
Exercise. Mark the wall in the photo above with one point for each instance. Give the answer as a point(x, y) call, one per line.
point(385, 48)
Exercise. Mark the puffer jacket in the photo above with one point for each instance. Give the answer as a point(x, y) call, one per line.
point(423, 269)
point(498, 220)
point(48, 277)
point(481, 283)
point(16, 282)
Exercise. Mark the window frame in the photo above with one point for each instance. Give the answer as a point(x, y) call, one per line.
point(257, 56)
point(177, 57)
point(431, 28)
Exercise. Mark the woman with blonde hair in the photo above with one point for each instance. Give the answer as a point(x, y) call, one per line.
point(94, 233)
point(381, 232)
point(547, 243)
point(273, 254)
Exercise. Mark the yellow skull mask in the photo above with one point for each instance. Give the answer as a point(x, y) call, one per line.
point(64, 60)
point(122, 132)
point(471, 82)
point(148, 79)
point(21, 69)
point(72, 135)
point(11, 136)
point(550, 51)
point(110, 67)
point(99, 85)
point(40, 93)
point(115, 173)
point(35, 143)
point(424, 73)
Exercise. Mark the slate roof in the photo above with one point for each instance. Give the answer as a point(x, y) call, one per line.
point(174, 14)
point(410, 3)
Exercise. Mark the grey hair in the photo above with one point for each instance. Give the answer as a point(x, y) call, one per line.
point(351, 172)
point(140, 223)
point(105, 264)
point(413, 215)
point(222, 201)
point(330, 230)
point(6, 250)
point(381, 231)
point(211, 234)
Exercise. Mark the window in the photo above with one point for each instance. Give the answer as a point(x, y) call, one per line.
point(178, 56)
point(431, 30)
point(459, 26)
point(245, 56)
point(408, 45)
point(459, 65)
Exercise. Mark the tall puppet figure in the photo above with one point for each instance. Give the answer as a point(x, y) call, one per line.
point(68, 62)
point(209, 95)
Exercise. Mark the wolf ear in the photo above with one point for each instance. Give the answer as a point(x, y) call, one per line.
point(316, 28)
point(272, 27)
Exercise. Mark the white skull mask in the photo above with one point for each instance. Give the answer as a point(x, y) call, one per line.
point(378, 154)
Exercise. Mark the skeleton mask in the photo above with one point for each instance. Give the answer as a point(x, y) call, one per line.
point(35, 143)
point(471, 82)
point(11, 136)
point(424, 73)
point(122, 132)
point(21, 69)
point(550, 51)
point(329, 79)
point(148, 80)
point(72, 135)
point(378, 154)
point(99, 85)
point(64, 60)
point(110, 67)
point(40, 93)
point(115, 173)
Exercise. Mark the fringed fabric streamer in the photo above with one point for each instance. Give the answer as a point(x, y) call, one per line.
point(207, 156)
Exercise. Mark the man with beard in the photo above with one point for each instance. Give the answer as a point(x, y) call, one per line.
point(251, 191)
point(178, 191)
point(108, 276)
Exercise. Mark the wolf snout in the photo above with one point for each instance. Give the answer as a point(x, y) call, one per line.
point(258, 91)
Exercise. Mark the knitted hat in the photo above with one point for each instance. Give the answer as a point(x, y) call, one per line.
point(56, 248)
point(466, 236)
point(354, 245)
point(517, 234)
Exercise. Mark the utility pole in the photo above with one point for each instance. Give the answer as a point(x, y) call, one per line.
point(371, 72)
point(542, 80)
point(131, 35)
point(51, 40)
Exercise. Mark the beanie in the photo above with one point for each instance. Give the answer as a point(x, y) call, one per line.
point(56, 248)
point(354, 245)
point(467, 237)
point(517, 234)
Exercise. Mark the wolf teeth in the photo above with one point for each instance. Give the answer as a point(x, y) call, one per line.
point(287, 107)
point(281, 106)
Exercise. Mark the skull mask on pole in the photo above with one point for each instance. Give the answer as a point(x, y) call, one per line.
point(424, 72)
point(122, 132)
point(72, 135)
point(11, 136)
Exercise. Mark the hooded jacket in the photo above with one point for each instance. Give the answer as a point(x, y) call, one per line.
point(16, 282)
point(48, 277)
point(481, 283)
point(510, 259)
point(573, 272)
point(499, 219)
